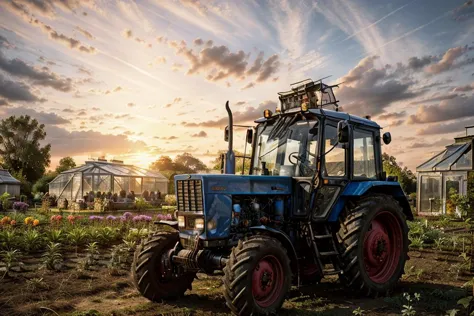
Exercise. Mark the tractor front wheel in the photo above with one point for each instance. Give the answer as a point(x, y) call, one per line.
point(374, 238)
point(154, 274)
point(257, 276)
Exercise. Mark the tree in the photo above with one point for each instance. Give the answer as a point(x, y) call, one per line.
point(406, 178)
point(25, 186)
point(20, 146)
point(188, 163)
point(164, 163)
point(42, 184)
point(217, 163)
point(65, 163)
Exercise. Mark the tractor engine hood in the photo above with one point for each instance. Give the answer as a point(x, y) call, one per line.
point(217, 191)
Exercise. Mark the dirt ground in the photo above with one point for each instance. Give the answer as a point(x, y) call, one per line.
point(96, 292)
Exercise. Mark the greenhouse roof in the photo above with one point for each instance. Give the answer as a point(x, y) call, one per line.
point(116, 169)
point(7, 178)
point(454, 157)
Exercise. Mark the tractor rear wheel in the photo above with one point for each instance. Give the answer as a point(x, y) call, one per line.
point(153, 273)
point(257, 276)
point(373, 235)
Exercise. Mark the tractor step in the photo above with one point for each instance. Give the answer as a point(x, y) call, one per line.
point(328, 253)
point(319, 237)
point(331, 271)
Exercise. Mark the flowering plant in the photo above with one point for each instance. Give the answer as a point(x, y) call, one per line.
point(20, 206)
point(36, 222)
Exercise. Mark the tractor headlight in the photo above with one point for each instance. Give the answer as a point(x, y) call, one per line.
point(199, 223)
point(181, 221)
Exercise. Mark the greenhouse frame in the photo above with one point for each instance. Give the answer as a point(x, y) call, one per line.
point(450, 171)
point(106, 176)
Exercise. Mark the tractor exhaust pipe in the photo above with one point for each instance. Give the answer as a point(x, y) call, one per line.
point(230, 156)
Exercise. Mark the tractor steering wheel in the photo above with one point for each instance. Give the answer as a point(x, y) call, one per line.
point(296, 156)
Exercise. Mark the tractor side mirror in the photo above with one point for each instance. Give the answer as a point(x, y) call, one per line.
point(387, 138)
point(249, 135)
point(226, 134)
point(343, 132)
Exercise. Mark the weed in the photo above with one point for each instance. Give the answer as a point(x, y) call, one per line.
point(36, 284)
point(10, 259)
point(52, 258)
point(55, 236)
point(32, 240)
point(8, 239)
point(359, 311)
point(461, 267)
point(408, 309)
point(416, 242)
point(412, 272)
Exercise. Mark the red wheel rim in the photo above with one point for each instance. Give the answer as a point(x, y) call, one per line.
point(267, 281)
point(383, 244)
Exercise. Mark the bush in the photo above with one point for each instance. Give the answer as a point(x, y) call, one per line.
point(6, 203)
point(170, 199)
point(142, 204)
point(20, 206)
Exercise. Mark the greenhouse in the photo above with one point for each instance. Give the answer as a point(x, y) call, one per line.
point(448, 172)
point(106, 176)
point(9, 184)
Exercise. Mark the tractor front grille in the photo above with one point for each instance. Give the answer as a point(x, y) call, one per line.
point(189, 196)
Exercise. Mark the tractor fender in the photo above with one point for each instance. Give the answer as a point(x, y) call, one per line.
point(172, 224)
point(285, 240)
point(364, 188)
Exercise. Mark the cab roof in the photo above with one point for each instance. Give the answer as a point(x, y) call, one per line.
point(331, 114)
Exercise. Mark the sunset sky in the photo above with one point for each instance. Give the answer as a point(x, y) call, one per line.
point(134, 80)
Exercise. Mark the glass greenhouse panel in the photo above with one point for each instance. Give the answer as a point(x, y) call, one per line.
point(430, 194)
point(136, 185)
point(86, 184)
point(121, 183)
point(101, 183)
point(149, 184)
point(449, 160)
point(464, 162)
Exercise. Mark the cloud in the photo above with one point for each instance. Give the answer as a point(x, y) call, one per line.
point(453, 127)
point(447, 62)
point(176, 67)
point(165, 137)
point(243, 116)
point(4, 102)
point(466, 88)
point(198, 41)
point(175, 101)
point(248, 86)
point(392, 115)
point(459, 107)
point(200, 134)
point(160, 60)
point(42, 117)
point(47, 8)
point(65, 40)
point(127, 33)
point(19, 68)
point(16, 91)
point(85, 33)
point(196, 5)
point(218, 62)
point(131, 105)
point(84, 70)
point(368, 90)
point(435, 99)
point(75, 143)
point(118, 88)
point(416, 63)
point(437, 143)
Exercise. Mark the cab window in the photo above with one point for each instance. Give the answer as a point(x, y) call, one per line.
point(364, 154)
point(335, 158)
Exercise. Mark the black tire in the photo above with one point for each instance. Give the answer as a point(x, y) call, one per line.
point(248, 260)
point(147, 270)
point(372, 263)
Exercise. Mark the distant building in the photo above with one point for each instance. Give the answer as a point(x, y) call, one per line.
point(106, 176)
point(8, 183)
point(448, 171)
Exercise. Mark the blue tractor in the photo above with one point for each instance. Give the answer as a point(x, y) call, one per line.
point(316, 202)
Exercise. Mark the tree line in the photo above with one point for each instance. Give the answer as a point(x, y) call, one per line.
point(23, 155)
